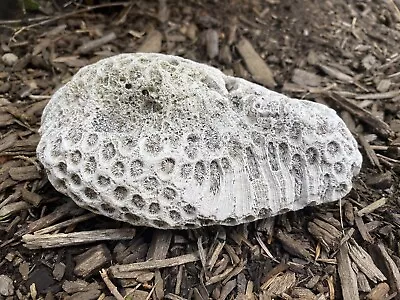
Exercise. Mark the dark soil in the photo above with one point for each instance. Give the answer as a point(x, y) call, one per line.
point(345, 54)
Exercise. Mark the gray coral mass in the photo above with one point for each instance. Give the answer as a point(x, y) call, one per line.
point(162, 141)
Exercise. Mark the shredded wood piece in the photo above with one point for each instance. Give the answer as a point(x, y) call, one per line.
point(111, 287)
point(347, 275)
point(372, 207)
point(33, 241)
point(155, 264)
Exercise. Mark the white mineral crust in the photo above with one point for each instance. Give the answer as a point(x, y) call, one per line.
point(162, 141)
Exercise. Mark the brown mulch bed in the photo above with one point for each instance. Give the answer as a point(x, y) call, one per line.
point(345, 54)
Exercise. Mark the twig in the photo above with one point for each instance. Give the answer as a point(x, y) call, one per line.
point(152, 291)
point(156, 264)
point(67, 239)
point(264, 247)
point(376, 124)
point(111, 287)
point(69, 14)
point(67, 223)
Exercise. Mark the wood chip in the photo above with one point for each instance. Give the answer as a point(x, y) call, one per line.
point(335, 73)
point(212, 43)
point(381, 181)
point(363, 229)
point(364, 262)
point(379, 292)
point(92, 45)
point(362, 282)
point(327, 234)
point(79, 285)
point(24, 173)
point(89, 295)
point(347, 275)
point(389, 268)
point(59, 271)
point(155, 264)
point(373, 158)
point(280, 283)
point(255, 64)
point(302, 293)
point(159, 244)
point(68, 239)
point(349, 213)
point(67, 223)
point(376, 124)
point(31, 198)
point(293, 246)
point(216, 248)
point(227, 289)
point(372, 207)
point(152, 42)
point(12, 208)
point(8, 141)
point(305, 78)
point(379, 96)
point(61, 211)
point(92, 260)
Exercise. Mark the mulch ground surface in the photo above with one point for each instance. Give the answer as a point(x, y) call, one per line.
point(345, 54)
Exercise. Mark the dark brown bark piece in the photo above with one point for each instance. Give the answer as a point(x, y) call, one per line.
point(292, 246)
point(92, 260)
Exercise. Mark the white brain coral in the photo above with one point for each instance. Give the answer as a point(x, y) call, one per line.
point(162, 141)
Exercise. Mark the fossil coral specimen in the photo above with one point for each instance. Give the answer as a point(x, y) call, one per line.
point(162, 141)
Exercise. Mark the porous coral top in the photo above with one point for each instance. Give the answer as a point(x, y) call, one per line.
point(162, 141)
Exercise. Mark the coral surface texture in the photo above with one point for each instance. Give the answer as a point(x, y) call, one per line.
point(162, 141)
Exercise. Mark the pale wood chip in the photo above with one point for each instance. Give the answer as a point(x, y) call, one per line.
point(212, 43)
point(216, 248)
point(347, 275)
point(305, 78)
point(362, 282)
point(67, 223)
point(152, 42)
point(155, 264)
point(379, 96)
point(380, 291)
point(280, 283)
point(68, 239)
point(92, 45)
point(219, 277)
point(364, 262)
point(255, 64)
point(335, 73)
point(372, 207)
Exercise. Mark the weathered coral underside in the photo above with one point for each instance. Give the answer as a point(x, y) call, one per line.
point(161, 141)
